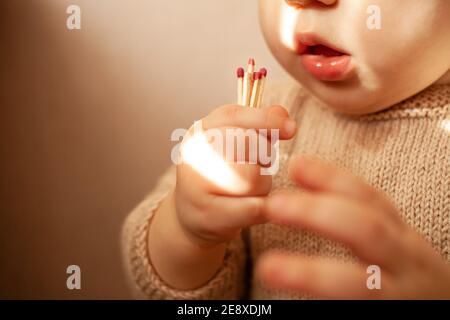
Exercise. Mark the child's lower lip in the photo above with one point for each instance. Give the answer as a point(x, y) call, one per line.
point(322, 59)
point(335, 68)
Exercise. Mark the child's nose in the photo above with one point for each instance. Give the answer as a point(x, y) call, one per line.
point(304, 3)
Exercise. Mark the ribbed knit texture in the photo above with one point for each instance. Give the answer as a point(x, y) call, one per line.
point(403, 151)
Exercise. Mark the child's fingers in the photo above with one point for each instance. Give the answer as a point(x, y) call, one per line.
point(320, 277)
point(228, 213)
point(224, 217)
point(240, 180)
point(252, 118)
point(340, 219)
point(318, 176)
point(242, 146)
point(250, 174)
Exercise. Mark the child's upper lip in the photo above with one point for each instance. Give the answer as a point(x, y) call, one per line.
point(304, 41)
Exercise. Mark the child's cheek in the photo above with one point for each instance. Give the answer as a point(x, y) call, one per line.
point(270, 19)
point(409, 42)
point(271, 23)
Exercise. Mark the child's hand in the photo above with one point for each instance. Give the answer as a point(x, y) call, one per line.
point(210, 215)
point(343, 208)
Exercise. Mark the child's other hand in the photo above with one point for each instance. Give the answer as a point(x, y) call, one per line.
point(341, 207)
point(210, 215)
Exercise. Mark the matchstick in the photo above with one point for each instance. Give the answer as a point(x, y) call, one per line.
point(262, 82)
point(240, 88)
point(255, 90)
point(248, 82)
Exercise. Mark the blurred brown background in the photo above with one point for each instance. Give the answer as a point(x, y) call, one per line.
point(86, 117)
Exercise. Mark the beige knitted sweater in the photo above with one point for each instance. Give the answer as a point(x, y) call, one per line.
point(404, 151)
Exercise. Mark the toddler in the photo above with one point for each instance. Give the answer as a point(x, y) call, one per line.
point(362, 189)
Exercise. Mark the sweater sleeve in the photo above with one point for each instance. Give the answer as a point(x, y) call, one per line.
point(228, 282)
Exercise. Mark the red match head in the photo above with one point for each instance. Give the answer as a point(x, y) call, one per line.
point(240, 72)
point(263, 72)
point(257, 76)
point(251, 61)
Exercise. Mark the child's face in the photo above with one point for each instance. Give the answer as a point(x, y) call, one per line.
point(409, 52)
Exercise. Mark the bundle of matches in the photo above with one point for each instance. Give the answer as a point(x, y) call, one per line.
point(251, 85)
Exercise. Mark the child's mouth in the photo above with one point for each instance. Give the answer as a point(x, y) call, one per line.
point(322, 60)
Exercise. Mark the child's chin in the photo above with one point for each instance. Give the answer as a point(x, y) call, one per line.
point(348, 102)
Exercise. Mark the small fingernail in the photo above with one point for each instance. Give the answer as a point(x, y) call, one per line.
point(305, 162)
point(302, 165)
point(268, 269)
point(290, 126)
point(276, 203)
point(311, 170)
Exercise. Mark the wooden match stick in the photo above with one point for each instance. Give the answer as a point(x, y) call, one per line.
point(240, 88)
point(262, 82)
point(255, 90)
point(248, 82)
